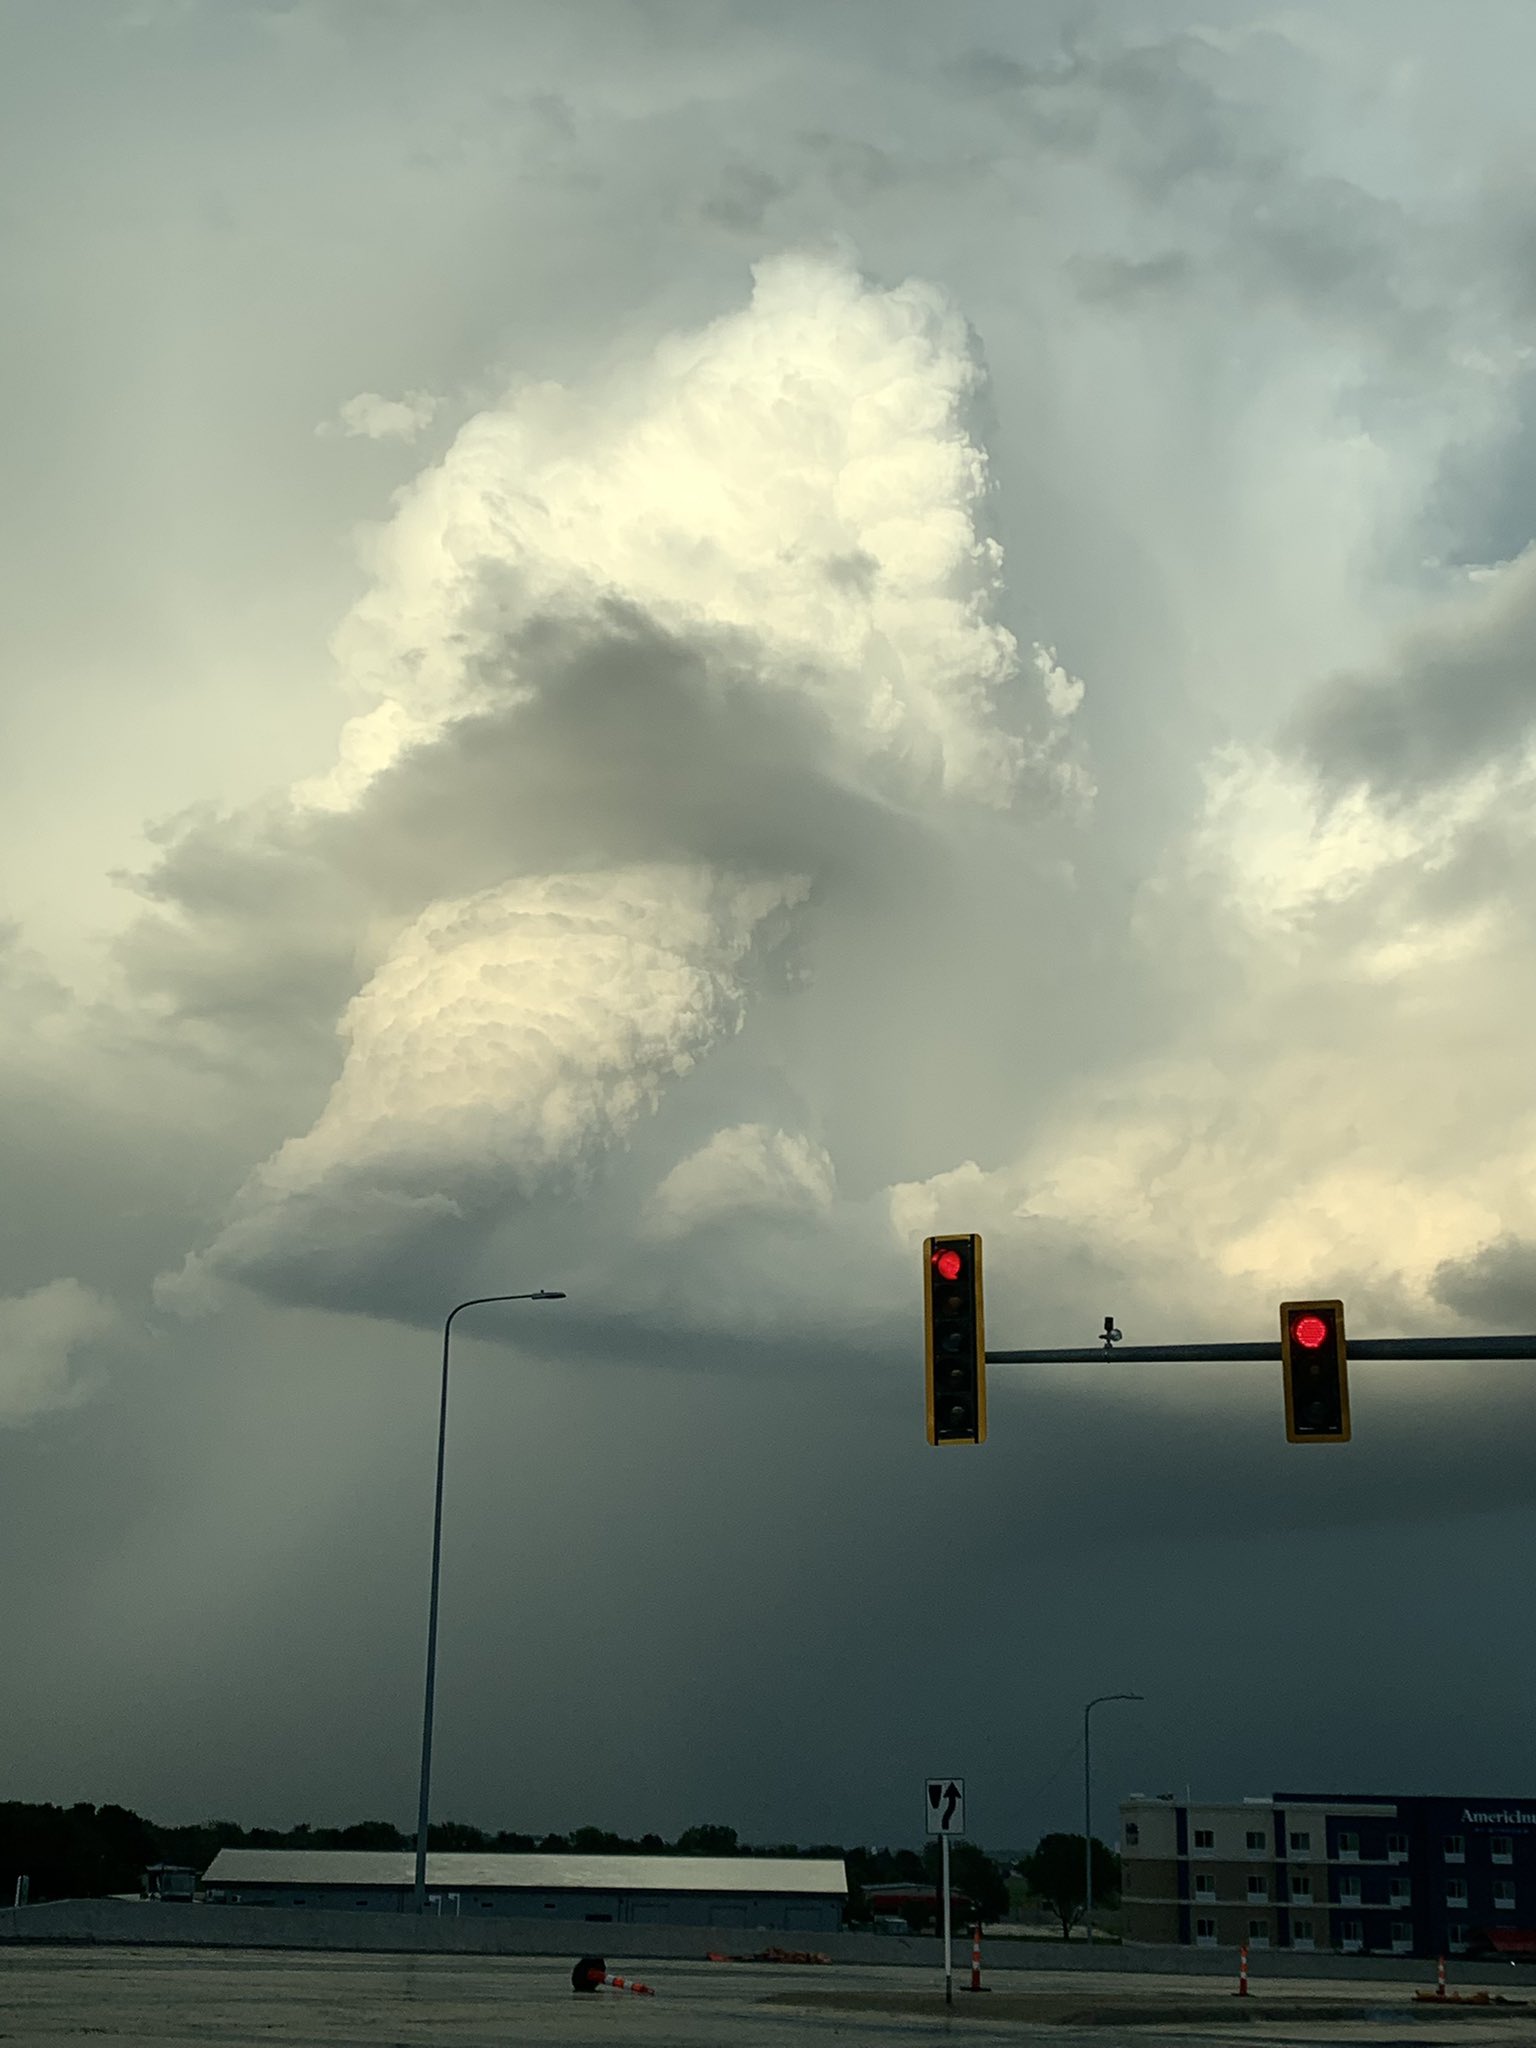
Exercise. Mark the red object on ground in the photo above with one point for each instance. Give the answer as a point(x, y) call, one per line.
point(591, 1974)
point(1440, 1978)
point(627, 1984)
point(1242, 1971)
point(771, 1955)
point(1512, 1941)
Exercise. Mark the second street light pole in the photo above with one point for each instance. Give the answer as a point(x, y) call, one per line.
point(540, 1294)
point(1088, 1808)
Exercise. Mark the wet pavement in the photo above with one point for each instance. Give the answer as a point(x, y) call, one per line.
point(127, 1998)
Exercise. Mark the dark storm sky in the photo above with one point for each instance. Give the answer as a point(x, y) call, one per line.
point(654, 648)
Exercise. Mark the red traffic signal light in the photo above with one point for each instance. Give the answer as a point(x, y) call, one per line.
point(954, 1340)
point(1315, 1362)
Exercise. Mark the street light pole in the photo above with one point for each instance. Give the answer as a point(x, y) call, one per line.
point(540, 1294)
point(1088, 1807)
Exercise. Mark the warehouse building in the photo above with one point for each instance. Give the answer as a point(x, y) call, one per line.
point(776, 1893)
point(1354, 1873)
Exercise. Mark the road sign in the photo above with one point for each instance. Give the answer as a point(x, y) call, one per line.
point(946, 1806)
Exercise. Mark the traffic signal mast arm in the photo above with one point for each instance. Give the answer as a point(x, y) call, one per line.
point(1313, 1352)
point(1448, 1348)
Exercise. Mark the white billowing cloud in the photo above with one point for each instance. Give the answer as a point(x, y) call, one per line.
point(1282, 848)
point(1344, 1101)
point(749, 1172)
point(1345, 1104)
point(505, 1043)
point(1063, 692)
point(375, 418)
point(40, 1333)
point(790, 499)
point(799, 471)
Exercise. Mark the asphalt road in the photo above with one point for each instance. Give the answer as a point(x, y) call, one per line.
point(125, 1998)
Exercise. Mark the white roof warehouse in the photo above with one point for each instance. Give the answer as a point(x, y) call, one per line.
point(771, 1892)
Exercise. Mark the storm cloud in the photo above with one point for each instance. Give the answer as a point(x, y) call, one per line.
point(653, 662)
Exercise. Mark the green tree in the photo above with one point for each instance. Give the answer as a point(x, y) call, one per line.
point(371, 1834)
point(1055, 1875)
point(456, 1835)
point(711, 1840)
point(971, 1872)
point(600, 1842)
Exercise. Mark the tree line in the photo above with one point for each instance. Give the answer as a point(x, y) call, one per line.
point(86, 1851)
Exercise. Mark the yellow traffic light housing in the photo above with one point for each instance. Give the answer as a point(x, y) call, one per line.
point(954, 1340)
point(1315, 1363)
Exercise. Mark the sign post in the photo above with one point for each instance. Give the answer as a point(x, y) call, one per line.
point(949, 1961)
point(946, 1817)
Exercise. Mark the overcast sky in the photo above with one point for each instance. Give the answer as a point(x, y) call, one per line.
point(652, 648)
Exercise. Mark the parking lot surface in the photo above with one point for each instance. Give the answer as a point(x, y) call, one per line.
point(239, 1999)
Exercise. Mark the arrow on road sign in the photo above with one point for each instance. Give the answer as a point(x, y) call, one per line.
point(946, 1806)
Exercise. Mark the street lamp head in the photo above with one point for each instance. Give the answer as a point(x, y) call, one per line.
point(548, 1294)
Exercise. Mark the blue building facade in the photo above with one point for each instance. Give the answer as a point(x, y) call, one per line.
point(1446, 1870)
point(1353, 1873)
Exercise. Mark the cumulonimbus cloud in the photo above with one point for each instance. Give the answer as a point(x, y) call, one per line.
point(641, 670)
point(747, 1171)
point(504, 1045)
point(800, 471)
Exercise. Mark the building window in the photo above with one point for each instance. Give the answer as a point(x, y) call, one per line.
point(1455, 1891)
point(1399, 1892)
point(1456, 1937)
point(1301, 1888)
point(1301, 1934)
point(1351, 1936)
point(1402, 1937)
point(1349, 1891)
point(1258, 1891)
point(1132, 1834)
point(1455, 1849)
point(1205, 1838)
point(1397, 1848)
point(1349, 1845)
point(1258, 1934)
point(1257, 1839)
point(1301, 1845)
point(1502, 1848)
point(1503, 1895)
point(1205, 1933)
point(1205, 1887)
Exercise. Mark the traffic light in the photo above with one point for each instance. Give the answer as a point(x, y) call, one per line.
point(1316, 1371)
point(955, 1340)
